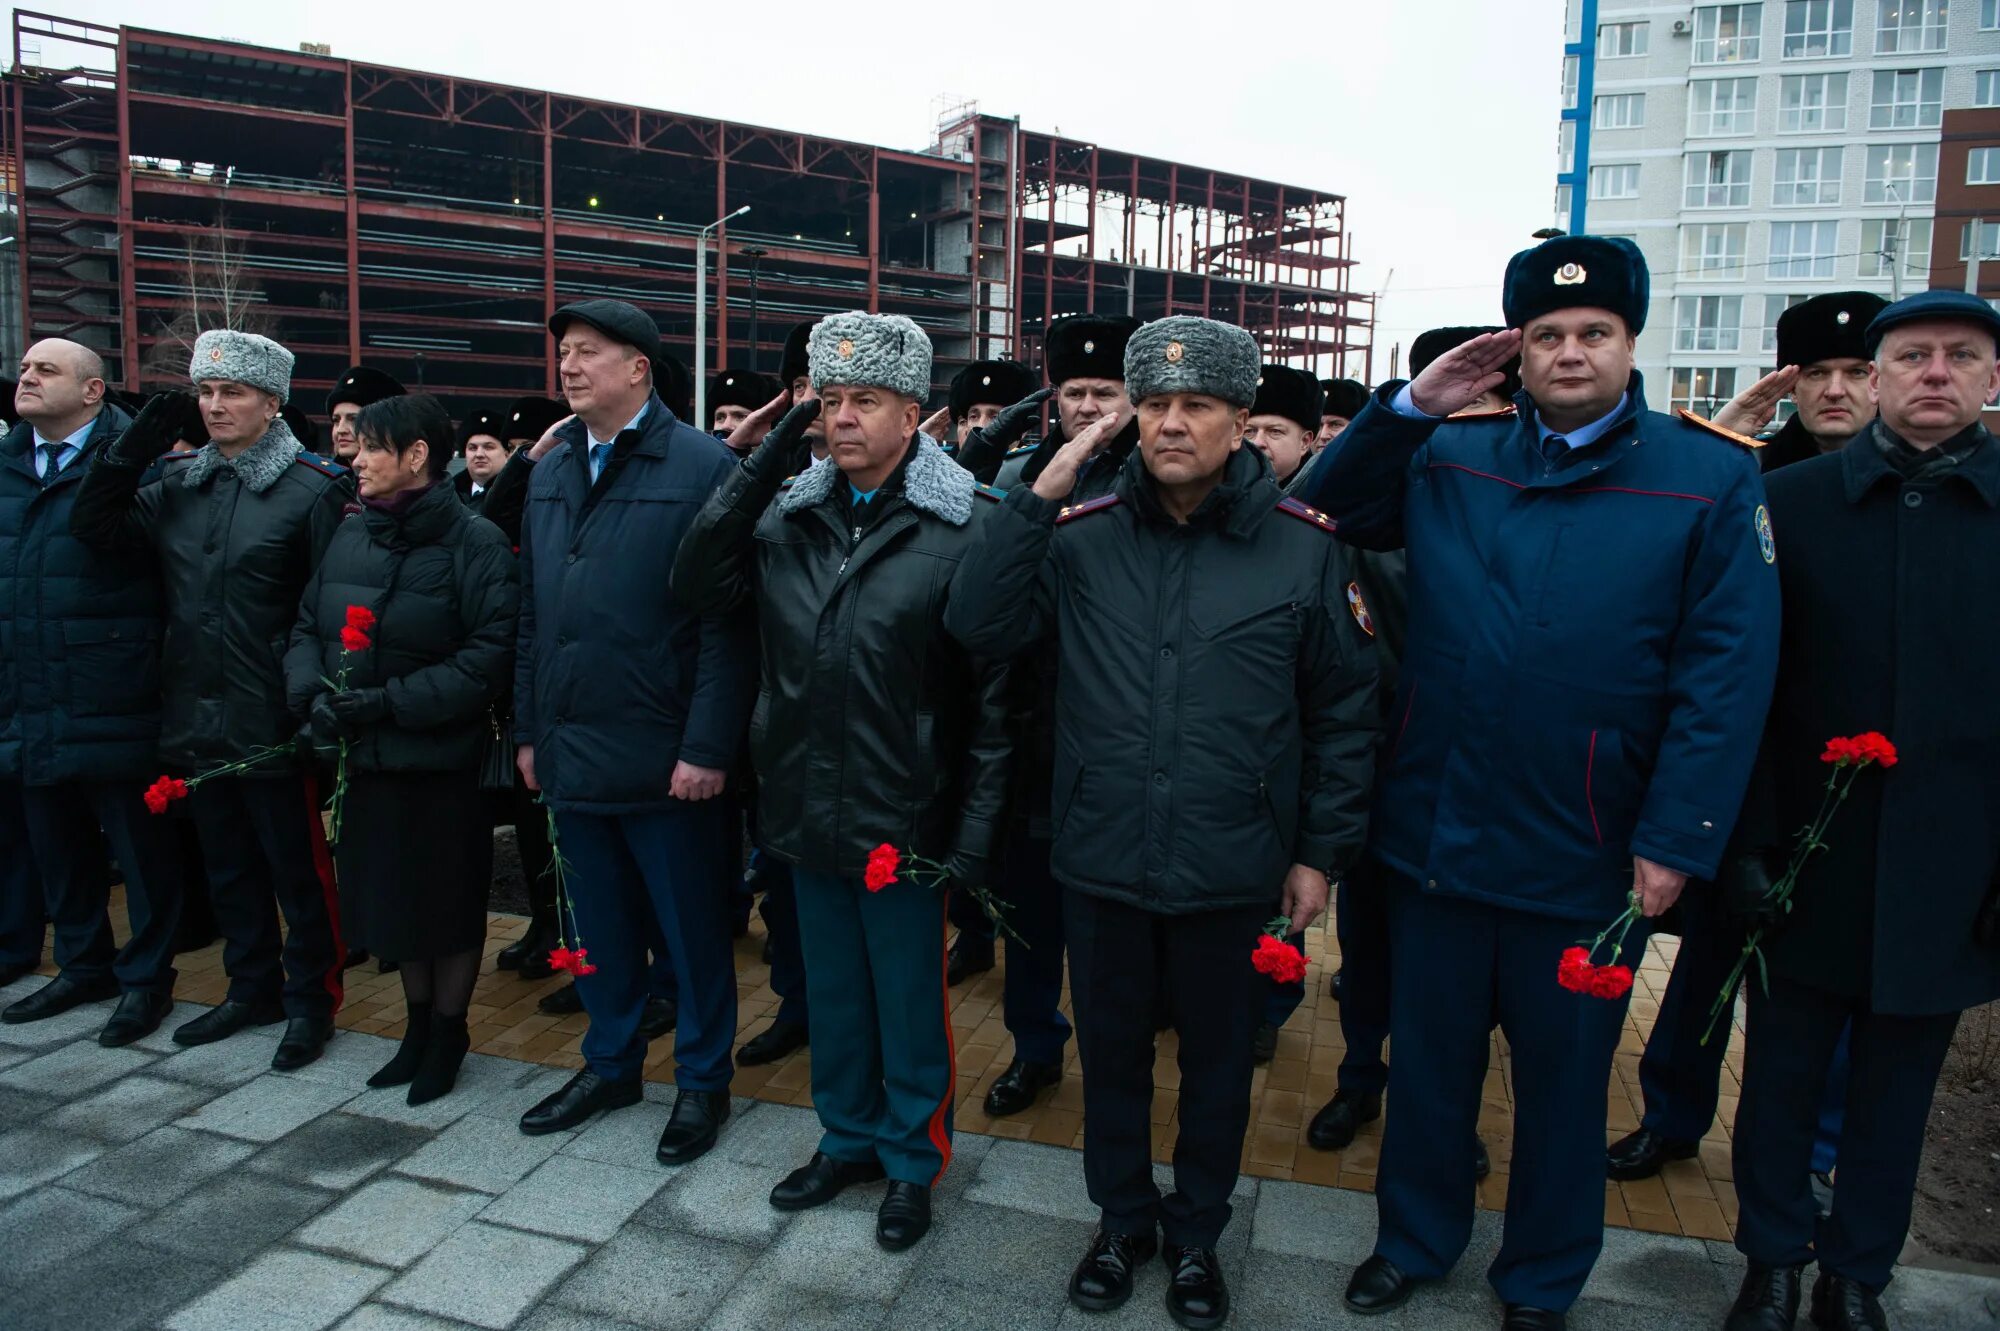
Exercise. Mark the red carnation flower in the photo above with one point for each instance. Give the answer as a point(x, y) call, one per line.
point(578, 966)
point(1860, 750)
point(561, 958)
point(881, 869)
point(164, 792)
point(1610, 981)
point(1278, 959)
point(353, 640)
point(1573, 972)
point(360, 617)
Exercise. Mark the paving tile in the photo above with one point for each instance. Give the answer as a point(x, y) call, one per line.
point(224, 1063)
point(1301, 1220)
point(482, 1154)
point(284, 1290)
point(720, 1199)
point(576, 1199)
point(481, 1079)
point(381, 1317)
point(833, 1251)
point(485, 1275)
point(267, 1108)
point(1044, 1180)
point(656, 1279)
point(64, 1028)
point(53, 1225)
point(392, 1221)
point(772, 1135)
point(998, 1248)
point(941, 1304)
point(114, 1286)
point(232, 1218)
point(74, 1070)
point(339, 1150)
point(757, 1306)
point(630, 1136)
point(31, 1156)
point(23, 1109)
point(349, 1059)
point(550, 1317)
point(128, 1109)
point(160, 1167)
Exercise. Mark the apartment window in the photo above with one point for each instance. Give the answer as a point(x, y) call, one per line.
point(1880, 238)
point(1812, 104)
point(1806, 177)
point(1615, 182)
point(1615, 40)
point(1722, 106)
point(1713, 250)
point(1566, 148)
point(1815, 29)
point(1725, 34)
point(1986, 85)
point(1803, 249)
point(1625, 110)
point(1989, 15)
point(1989, 242)
point(1907, 99)
point(1773, 307)
point(1562, 206)
point(1910, 25)
point(1569, 83)
point(1982, 166)
point(1901, 173)
point(1716, 180)
point(1702, 389)
point(1708, 323)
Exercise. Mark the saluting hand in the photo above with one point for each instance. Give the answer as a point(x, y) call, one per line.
point(548, 439)
point(1005, 430)
point(1454, 381)
point(1752, 409)
point(937, 423)
point(1059, 477)
point(751, 430)
point(1656, 886)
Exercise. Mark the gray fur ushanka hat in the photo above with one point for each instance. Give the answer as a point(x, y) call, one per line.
point(243, 358)
point(877, 350)
point(1185, 354)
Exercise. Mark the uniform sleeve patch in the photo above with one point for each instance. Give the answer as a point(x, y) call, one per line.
point(1357, 605)
point(1702, 423)
point(1767, 544)
point(1097, 505)
point(1307, 513)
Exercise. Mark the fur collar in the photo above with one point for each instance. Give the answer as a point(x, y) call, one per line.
point(258, 466)
point(931, 482)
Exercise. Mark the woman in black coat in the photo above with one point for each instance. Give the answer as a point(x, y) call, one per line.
point(435, 591)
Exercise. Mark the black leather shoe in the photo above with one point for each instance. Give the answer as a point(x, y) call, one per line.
point(1196, 1294)
point(697, 1118)
point(225, 1019)
point(1336, 985)
point(1643, 1153)
point(904, 1216)
point(1017, 1087)
point(1482, 1163)
point(1520, 1317)
point(138, 1015)
point(1840, 1304)
point(564, 1002)
point(772, 1043)
point(661, 1015)
point(59, 996)
point(355, 956)
point(581, 1096)
point(14, 970)
point(1378, 1285)
point(821, 1181)
point(535, 941)
point(302, 1043)
point(1263, 1044)
point(1103, 1279)
point(969, 957)
point(1334, 1126)
point(1767, 1301)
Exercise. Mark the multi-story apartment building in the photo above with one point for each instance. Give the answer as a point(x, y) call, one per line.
point(1759, 154)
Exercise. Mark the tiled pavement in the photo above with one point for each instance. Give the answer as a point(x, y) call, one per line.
point(196, 1190)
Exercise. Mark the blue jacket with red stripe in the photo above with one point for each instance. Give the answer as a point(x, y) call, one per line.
point(1591, 647)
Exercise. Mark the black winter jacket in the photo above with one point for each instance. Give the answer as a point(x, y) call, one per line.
point(444, 589)
point(79, 631)
point(235, 543)
point(872, 725)
point(1215, 712)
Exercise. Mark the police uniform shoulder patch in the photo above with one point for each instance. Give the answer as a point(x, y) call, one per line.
point(786, 483)
point(1506, 413)
point(1357, 605)
point(1022, 451)
point(1307, 513)
point(1682, 413)
point(1767, 544)
point(988, 492)
point(324, 466)
point(1098, 505)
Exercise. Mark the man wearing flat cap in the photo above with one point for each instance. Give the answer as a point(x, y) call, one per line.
point(1823, 365)
point(628, 708)
point(1890, 564)
point(237, 528)
point(1214, 741)
point(1592, 636)
point(873, 729)
point(358, 388)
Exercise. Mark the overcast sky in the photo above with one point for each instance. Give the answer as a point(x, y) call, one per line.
point(1437, 118)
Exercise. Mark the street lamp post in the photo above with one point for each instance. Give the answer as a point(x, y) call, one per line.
point(753, 253)
point(701, 317)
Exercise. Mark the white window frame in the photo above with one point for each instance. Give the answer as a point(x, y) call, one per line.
point(1776, 304)
point(1831, 107)
point(1982, 166)
point(1989, 15)
point(1621, 176)
point(1565, 147)
point(1631, 35)
point(1916, 249)
point(1897, 34)
point(1914, 99)
point(1710, 323)
point(1562, 218)
point(1986, 85)
point(1818, 187)
point(1687, 382)
point(1632, 104)
point(1705, 121)
point(1836, 38)
point(1917, 186)
point(1703, 262)
point(1742, 47)
point(1989, 241)
point(1795, 265)
point(1701, 191)
point(1569, 83)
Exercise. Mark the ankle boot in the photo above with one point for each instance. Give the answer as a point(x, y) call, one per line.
point(416, 1038)
point(439, 1073)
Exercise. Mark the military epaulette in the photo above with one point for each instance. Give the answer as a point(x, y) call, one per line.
point(324, 466)
point(786, 483)
point(1307, 513)
point(1505, 413)
point(988, 492)
point(1022, 451)
point(1682, 413)
point(1097, 505)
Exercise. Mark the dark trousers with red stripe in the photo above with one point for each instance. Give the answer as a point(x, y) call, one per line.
point(265, 850)
point(1120, 958)
point(883, 1068)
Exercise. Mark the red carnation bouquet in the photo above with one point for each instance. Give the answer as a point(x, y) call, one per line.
point(1580, 972)
point(166, 791)
point(1275, 957)
point(564, 957)
point(354, 640)
point(1848, 756)
point(886, 863)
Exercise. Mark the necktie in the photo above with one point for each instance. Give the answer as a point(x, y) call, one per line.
point(51, 461)
point(599, 454)
point(1555, 448)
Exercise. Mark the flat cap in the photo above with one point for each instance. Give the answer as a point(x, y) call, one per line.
point(1292, 394)
point(876, 350)
point(1962, 306)
point(1087, 346)
point(619, 320)
point(1185, 354)
point(531, 417)
point(242, 358)
point(1828, 327)
point(1578, 272)
point(1344, 398)
point(740, 388)
point(1434, 342)
point(361, 386)
point(486, 421)
point(793, 366)
point(999, 382)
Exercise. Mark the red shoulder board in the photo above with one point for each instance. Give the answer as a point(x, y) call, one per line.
point(1307, 513)
point(1505, 413)
point(1703, 423)
point(307, 458)
point(1097, 505)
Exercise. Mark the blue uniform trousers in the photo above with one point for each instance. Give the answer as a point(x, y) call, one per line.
point(22, 917)
point(63, 826)
point(1896, 1061)
point(1459, 963)
point(1031, 990)
point(667, 867)
point(780, 911)
point(1361, 923)
point(883, 1068)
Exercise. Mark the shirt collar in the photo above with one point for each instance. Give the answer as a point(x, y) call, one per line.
point(75, 440)
point(632, 424)
point(1589, 434)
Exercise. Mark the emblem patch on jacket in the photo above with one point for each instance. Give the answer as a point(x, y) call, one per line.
point(1766, 543)
point(1358, 606)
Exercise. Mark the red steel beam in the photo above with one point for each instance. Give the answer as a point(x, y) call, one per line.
point(353, 201)
point(128, 293)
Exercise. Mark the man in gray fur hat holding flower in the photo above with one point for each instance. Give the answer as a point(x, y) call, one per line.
point(236, 529)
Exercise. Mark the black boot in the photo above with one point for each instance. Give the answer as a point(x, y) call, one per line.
point(535, 941)
point(439, 1072)
point(402, 1069)
point(1334, 1126)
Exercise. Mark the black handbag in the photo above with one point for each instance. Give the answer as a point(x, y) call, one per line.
point(496, 765)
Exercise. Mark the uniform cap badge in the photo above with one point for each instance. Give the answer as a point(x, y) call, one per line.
point(1358, 607)
point(1174, 353)
point(1089, 347)
point(846, 348)
point(986, 381)
point(215, 353)
point(1842, 318)
point(1570, 275)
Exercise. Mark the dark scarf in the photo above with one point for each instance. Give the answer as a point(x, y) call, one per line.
point(1927, 464)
